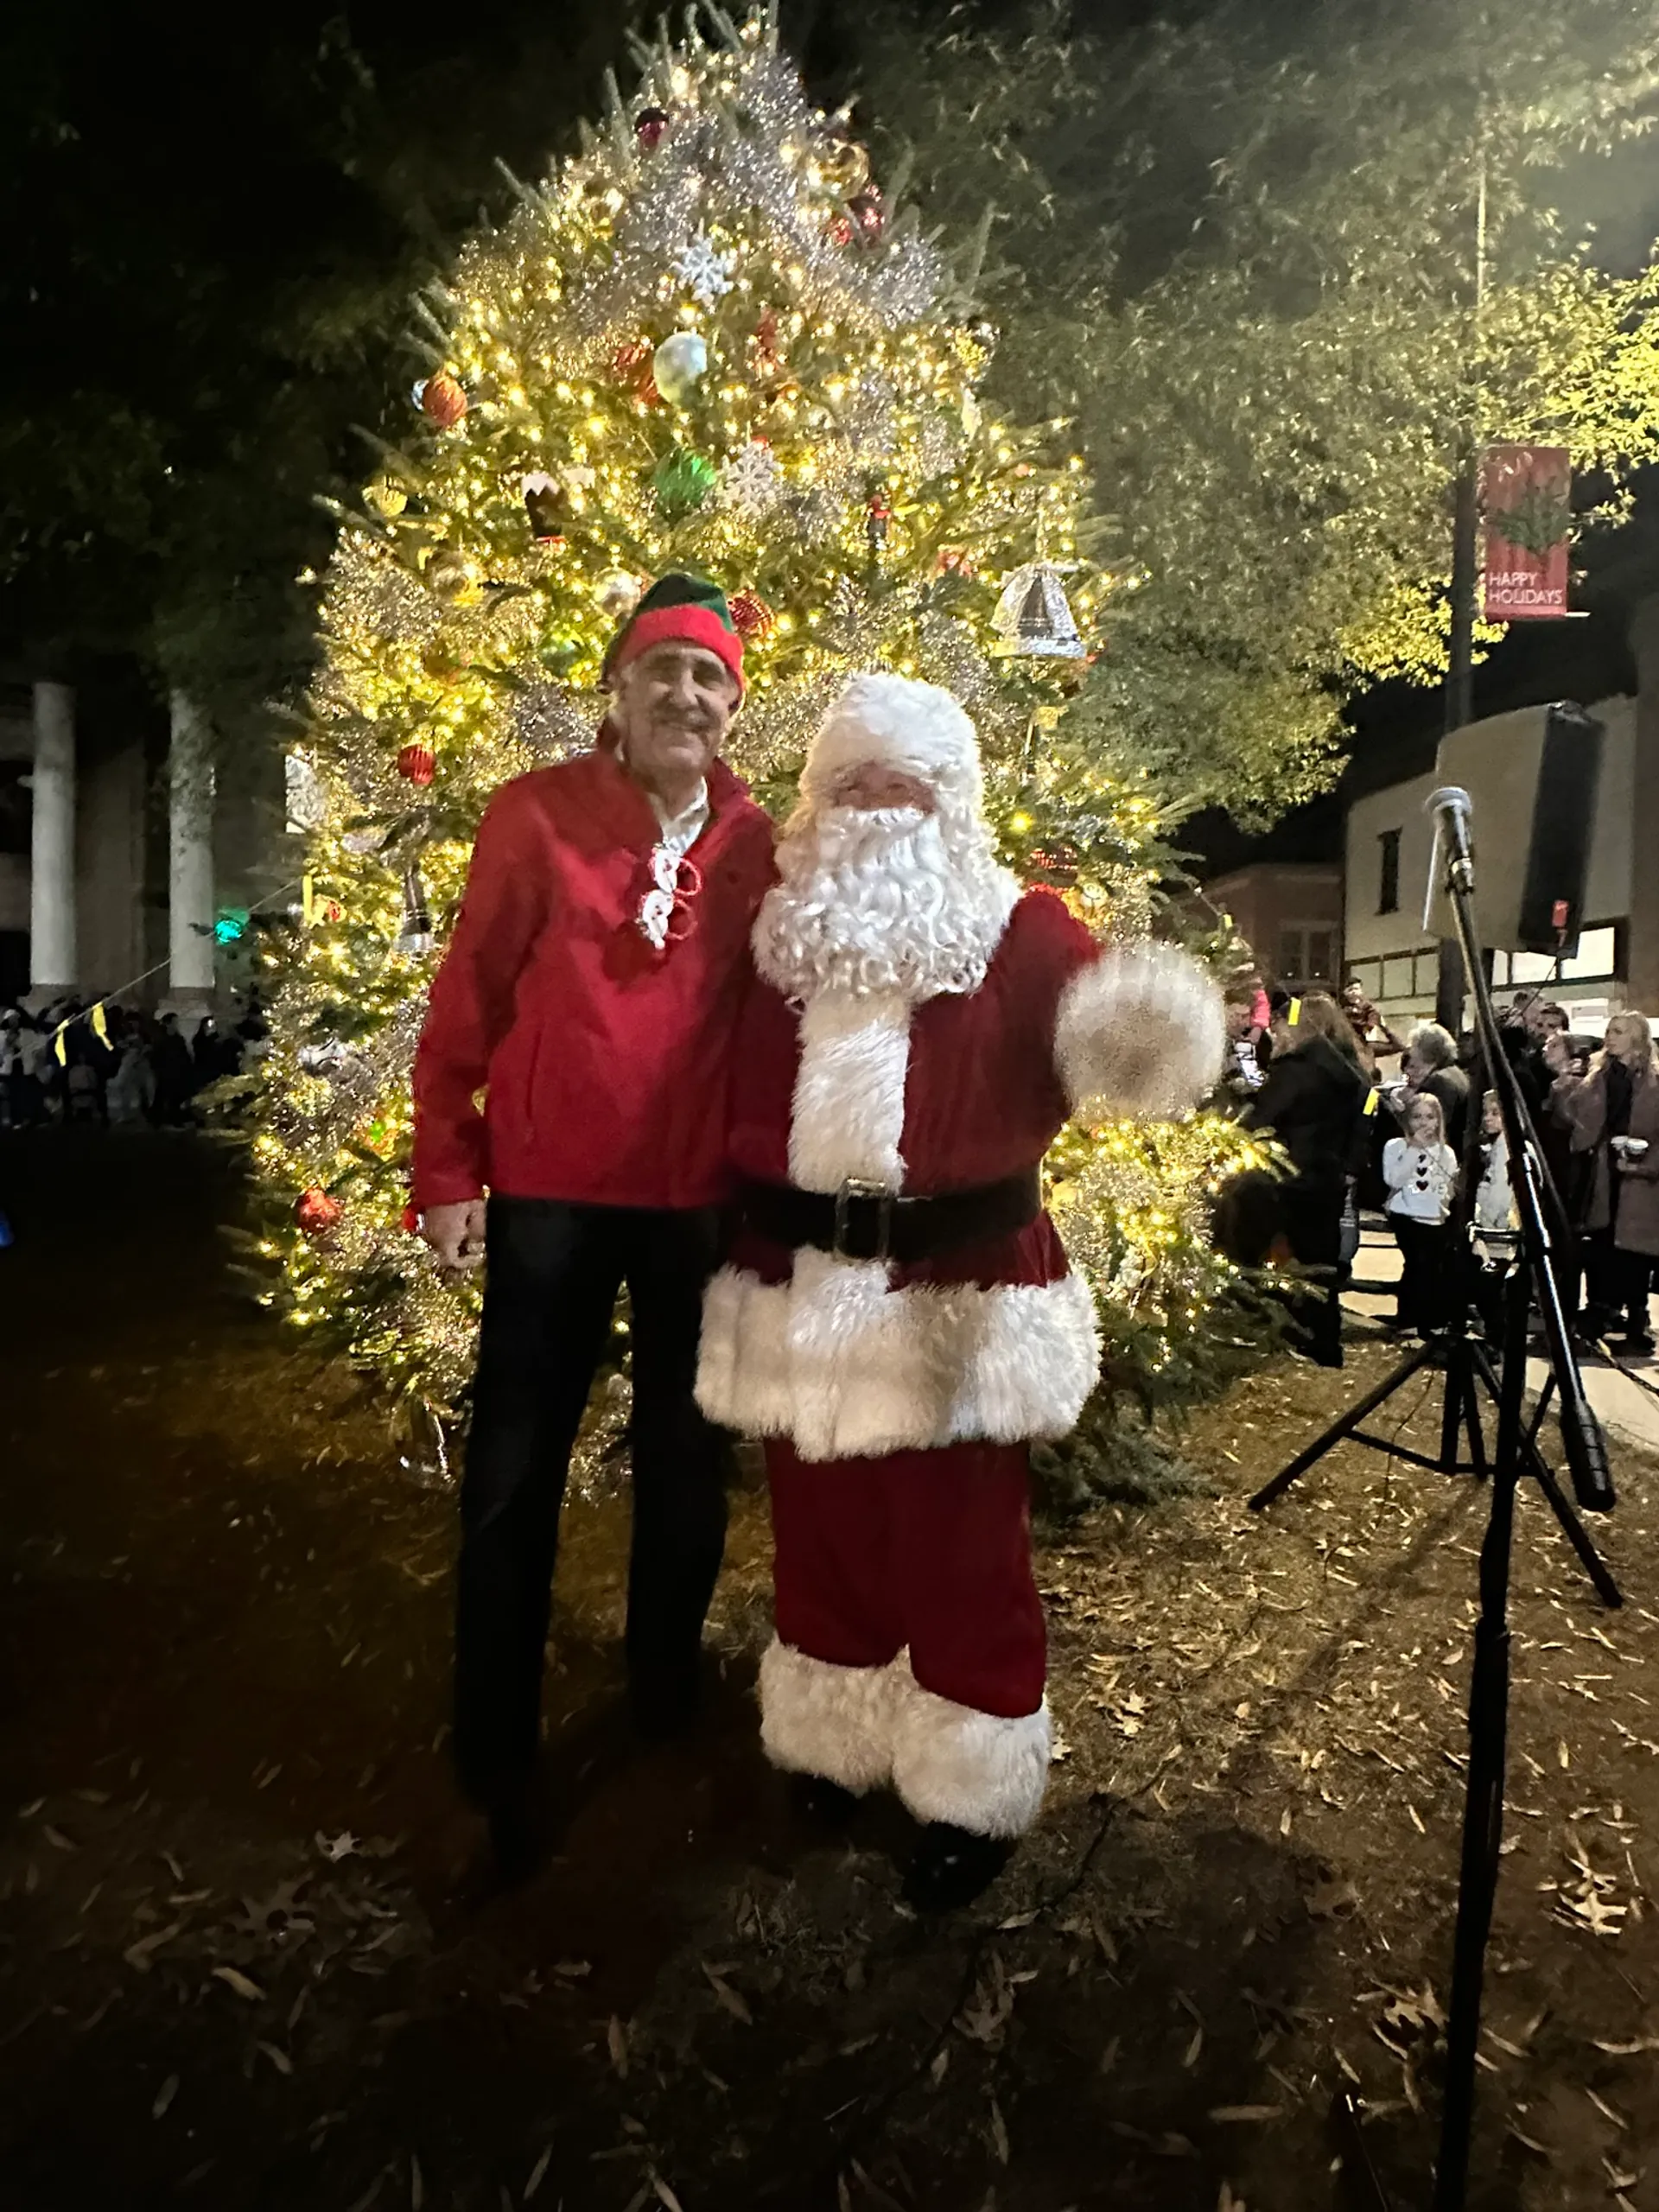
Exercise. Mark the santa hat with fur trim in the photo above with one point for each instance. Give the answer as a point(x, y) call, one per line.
point(902, 723)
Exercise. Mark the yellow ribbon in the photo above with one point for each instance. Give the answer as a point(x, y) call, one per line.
point(1294, 1012)
point(1370, 1101)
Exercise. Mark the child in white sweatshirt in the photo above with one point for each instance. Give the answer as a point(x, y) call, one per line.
point(1420, 1170)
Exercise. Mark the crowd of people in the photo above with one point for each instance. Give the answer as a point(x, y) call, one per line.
point(126, 1067)
point(1312, 1070)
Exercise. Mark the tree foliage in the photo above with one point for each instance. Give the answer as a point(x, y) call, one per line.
point(1284, 290)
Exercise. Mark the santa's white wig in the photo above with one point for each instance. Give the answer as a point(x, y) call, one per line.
point(890, 899)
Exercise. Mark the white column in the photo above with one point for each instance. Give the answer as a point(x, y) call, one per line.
point(190, 858)
point(52, 846)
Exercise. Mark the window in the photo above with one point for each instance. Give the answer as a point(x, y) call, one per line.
point(1387, 894)
point(1307, 954)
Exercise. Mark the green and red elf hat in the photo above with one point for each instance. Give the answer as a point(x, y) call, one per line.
point(685, 609)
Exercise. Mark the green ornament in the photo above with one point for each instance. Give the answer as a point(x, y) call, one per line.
point(682, 481)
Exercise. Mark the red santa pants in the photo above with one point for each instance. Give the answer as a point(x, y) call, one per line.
point(924, 1550)
point(910, 1648)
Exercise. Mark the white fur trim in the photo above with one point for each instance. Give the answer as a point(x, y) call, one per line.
point(849, 1111)
point(823, 1720)
point(847, 1368)
point(901, 723)
point(1139, 1031)
point(975, 1769)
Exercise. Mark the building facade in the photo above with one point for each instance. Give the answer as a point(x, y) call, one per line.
point(1392, 929)
point(1290, 913)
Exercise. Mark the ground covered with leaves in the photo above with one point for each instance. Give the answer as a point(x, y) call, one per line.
point(238, 1968)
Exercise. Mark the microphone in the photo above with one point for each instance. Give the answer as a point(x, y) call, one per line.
point(1451, 808)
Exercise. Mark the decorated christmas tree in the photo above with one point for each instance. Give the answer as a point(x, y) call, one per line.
point(710, 341)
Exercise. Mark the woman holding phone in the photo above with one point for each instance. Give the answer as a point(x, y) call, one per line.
point(1613, 1114)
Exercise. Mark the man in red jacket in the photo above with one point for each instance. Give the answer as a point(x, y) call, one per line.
point(590, 993)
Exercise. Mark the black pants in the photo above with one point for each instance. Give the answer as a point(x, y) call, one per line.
point(553, 1271)
point(1311, 1211)
point(1617, 1283)
point(1425, 1251)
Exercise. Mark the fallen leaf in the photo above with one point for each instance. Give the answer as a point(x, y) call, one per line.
point(278, 2057)
point(936, 2071)
point(234, 1979)
point(666, 2194)
point(728, 1997)
point(416, 2185)
point(1606, 2110)
point(164, 2096)
point(1190, 2057)
point(999, 2133)
point(57, 1839)
point(1222, 2112)
point(140, 1954)
point(539, 2173)
point(618, 2038)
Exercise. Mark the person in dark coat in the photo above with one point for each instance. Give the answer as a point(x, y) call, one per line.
point(1431, 1071)
point(176, 1077)
point(1313, 1102)
point(1613, 1113)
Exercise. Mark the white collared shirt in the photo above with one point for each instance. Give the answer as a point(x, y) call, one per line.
point(682, 831)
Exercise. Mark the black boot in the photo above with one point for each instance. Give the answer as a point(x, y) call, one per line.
point(664, 1696)
point(952, 1866)
point(820, 1801)
point(517, 1845)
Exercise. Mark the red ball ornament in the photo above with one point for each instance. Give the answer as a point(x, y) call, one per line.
point(840, 231)
point(877, 516)
point(442, 400)
point(649, 126)
point(630, 365)
point(956, 561)
point(418, 764)
point(317, 1211)
point(411, 1221)
point(752, 617)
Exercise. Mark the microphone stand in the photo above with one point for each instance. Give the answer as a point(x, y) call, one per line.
point(1465, 1363)
point(1586, 1458)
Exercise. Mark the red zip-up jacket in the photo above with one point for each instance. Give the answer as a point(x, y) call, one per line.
point(604, 1064)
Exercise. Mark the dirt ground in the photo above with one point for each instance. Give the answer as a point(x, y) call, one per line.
point(236, 1970)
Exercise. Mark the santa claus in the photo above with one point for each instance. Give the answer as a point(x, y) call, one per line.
point(896, 1319)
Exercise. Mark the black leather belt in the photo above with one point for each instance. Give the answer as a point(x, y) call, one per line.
point(863, 1221)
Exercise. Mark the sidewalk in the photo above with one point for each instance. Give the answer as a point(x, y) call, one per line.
point(1627, 1411)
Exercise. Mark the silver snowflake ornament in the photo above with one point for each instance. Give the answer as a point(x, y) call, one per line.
point(751, 480)
point(704, 271)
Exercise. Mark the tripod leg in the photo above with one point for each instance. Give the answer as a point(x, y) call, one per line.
point(1477, 1440)
point(1351, 1421)
point(1541, 1407)
point(1572, 1527)
point(1483, 1809)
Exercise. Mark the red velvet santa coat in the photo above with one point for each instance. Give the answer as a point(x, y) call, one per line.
point(1000, 1341)
point(603, 1063)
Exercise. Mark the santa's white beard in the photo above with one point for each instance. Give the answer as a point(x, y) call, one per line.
point(885, 899)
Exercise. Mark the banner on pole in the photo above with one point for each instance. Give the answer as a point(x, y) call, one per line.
point(1526, 504)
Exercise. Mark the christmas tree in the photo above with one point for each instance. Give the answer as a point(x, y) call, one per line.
point(710, 341)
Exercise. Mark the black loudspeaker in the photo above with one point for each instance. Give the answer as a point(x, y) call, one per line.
point(1563, 817)
point(1532, 777)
